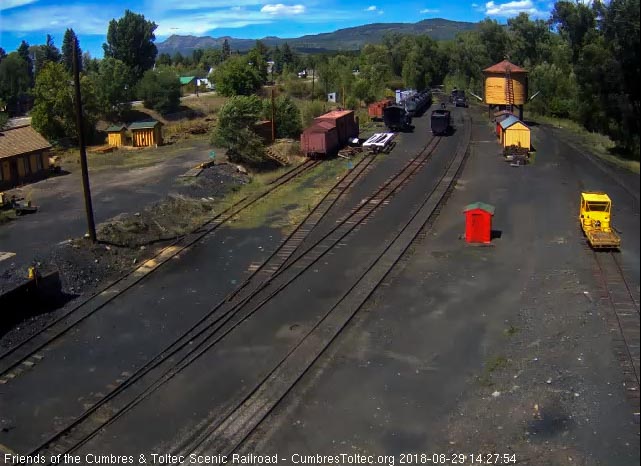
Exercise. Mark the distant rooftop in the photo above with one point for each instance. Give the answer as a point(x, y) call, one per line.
point(21, 140)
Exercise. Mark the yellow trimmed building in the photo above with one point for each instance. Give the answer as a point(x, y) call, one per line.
point(146, 133)
point(116, 135)
point(24, 156)
point(514, 133)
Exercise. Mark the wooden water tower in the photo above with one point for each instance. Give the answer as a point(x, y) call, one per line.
point(505, 87)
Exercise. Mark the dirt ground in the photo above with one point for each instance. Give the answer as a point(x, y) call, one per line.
point(477, 350)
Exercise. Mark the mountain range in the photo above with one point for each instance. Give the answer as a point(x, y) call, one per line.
point(343, 39)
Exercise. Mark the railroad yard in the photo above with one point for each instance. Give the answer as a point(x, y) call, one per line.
point(371, 327)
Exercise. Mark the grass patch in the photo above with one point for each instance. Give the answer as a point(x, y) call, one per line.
point(287, 206)
point(492, 365)
point(595, 143)
point(511, 331)
point(208, 103)
point(6, 216)
point(127, 158)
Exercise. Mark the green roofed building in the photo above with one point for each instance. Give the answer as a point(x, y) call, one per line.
point(146, 133)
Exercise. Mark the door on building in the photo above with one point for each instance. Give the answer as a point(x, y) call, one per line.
point(13, 170)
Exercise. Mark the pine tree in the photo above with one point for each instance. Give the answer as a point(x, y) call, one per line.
point(226, 49)
point(67, 49)
point(23, 51)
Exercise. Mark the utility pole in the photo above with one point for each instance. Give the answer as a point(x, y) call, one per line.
point(273, 117)
point(91, 226)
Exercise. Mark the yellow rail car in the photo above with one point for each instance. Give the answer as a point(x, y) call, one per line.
point(595, 218)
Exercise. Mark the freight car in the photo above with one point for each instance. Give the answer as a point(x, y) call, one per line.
point(329, 133)
point(344, 122)
point(375, 110)
point(319, 140)
point(440, 122)
point(396, 118)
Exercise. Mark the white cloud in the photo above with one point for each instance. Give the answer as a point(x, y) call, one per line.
point(7, 4)
point(371, 8)
point(82, 18)
point(279, 9)
point(512, 8)
point(428, 10)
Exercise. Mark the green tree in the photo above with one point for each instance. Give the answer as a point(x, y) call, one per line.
point(15, 82)
point(131, 40)
point(44, 53)
point(287, 117)
point(113, 91)
point(2, 53)
point(236, 77)
point(226, 49)
point(257, 58)
point(53, 114)
point(211, 58)
point(234, 132)
point(495, 38)
point(23, 51)
point(530, 40)
point(4, 116)
point(68, 42)
point(164, 59)
point(90, 64)
point(160, 90)
point(178, 58)
point(196, 56)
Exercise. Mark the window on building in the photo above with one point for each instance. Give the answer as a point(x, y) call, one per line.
point(39, 161)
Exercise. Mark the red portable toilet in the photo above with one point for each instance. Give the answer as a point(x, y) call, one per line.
point(478, 222)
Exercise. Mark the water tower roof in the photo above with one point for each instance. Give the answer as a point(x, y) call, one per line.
point(502, 66)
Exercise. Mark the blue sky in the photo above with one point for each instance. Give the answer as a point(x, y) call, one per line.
point(31, 20)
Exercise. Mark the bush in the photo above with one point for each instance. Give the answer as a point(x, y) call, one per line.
point(236, 77)
point(311, 110)
point(160, 90)
point(287, 116)
point(234, 133)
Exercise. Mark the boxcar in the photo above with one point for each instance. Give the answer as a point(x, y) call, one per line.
point(440, 122)
point(320, 140)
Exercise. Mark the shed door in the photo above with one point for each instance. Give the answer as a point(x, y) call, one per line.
point(477, 226)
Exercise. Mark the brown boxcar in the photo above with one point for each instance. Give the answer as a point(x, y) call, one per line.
point(346, 126)
point(375, 110)
point(320, 139)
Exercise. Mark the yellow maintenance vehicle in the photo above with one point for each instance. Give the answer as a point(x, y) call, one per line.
point(595, 221)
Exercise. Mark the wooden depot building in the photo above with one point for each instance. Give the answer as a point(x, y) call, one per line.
point(24, 156)
point(146, 133)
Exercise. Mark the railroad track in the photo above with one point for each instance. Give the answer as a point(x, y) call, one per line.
point(619, 297)
point(73, 438)
point(225, 435)
point(227, 316)
point(27, 354)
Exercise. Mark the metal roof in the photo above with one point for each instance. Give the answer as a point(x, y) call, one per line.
point(502, 66)
point(186, 79)
point(21, 140)
point(480, 205)
point(509, 121)
point(144, 124)
point(321, 127)
point(596, 197)
point(335, 114)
